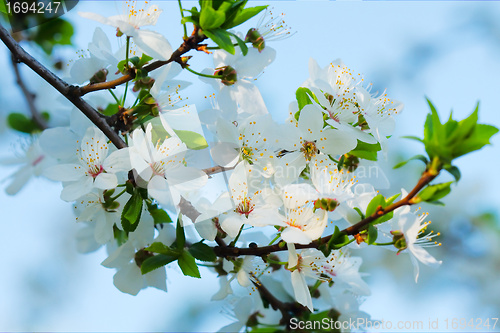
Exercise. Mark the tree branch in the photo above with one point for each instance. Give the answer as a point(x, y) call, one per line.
point(64, 88)
point(189, 44)
point(425, 179)
point(29, 96)
point(286, 308)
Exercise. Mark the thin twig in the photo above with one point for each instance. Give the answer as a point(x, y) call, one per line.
point(64, 88)
point(29, 96)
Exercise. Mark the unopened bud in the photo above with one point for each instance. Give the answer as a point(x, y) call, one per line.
point(99, 76)
point(399, 240)
point(227, 75)
point(326, 204)
point(253, 36)
point(349, 162)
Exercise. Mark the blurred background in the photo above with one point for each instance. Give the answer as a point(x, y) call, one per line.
point(448, 51)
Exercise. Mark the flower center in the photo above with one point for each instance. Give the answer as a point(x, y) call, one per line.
point(38, 160)
point(95, 170)
point(293, 223)
point(309, 149)
point(246, 154)
point(158, 168)
point(245, 207)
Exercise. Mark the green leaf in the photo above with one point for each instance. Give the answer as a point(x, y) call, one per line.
point(21, 123)
point(159, 215)
point(411, 137)
point(433, 192)
point(372, 234)
point(416, 157)
point(202, 251)
point(243, 46)
point(390, 200)
point(243, 15)
point(211, 18)
point(303, 96)
point(190, 19)
point(188, 265)
point(132, 212)
point(221, 38)
point(110, 110)
point(179, 232)
point(144, 60)
point(3, 8)
point(377, 201)
point(158, 247)
point(454, 171)
point(366, 151)
point(192, 140)
point(54, 32)
point(135, 61)
point(155, 262)
point(338, 239)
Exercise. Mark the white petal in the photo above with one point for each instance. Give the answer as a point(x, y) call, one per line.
point(153, 44)
point(106, 181)
point(311, 122)
point(301, 291)
point(65, 172)
point(335, 142)
point(232, 225)
point(295, 235)
point(118, 161)
point(75, 190)
point(129, 279)
point(296, 195)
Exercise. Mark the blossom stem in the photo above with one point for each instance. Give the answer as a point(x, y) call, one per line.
point(126, 62)
point(383, 244)
point(114, 96)
point(182, 15)
point(203, 75)
point(274, 239)
point(236, 239)
point(118, 195)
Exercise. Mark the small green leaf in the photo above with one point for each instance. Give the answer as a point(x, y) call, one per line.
point(110, 110)
point(359, 212)
point(366, 151)
point(411, 137)
point(416, 157)
point(433, 192)
point(377, 201)
point(132, 212)
point(179, 232)
point(303, 96)
point(192, 139)
point(188, 265)
point(338, 239)
point(243, 16)
point(21, 123)
point(144, 60)
point(159, 215)
point(202, 251)
point(454, 171)
point(211, 18)
point(3, 9)
point(221, 38)
point(243, 46)
point(372, 234)
point(155, 262)
point(158, 247)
